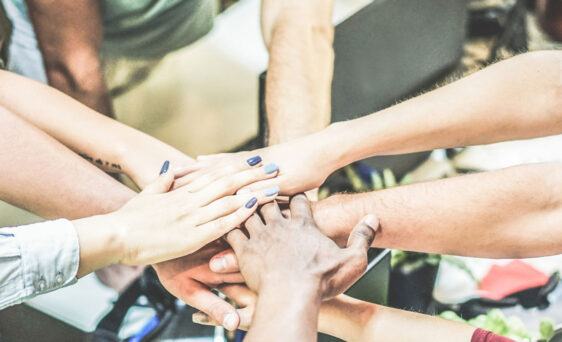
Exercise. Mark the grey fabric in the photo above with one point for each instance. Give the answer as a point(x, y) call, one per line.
point(149, 29)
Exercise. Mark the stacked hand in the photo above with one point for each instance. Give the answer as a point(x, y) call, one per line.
point(303, 164)
point(285, 253)
point(187, 219)
point(190, 279)
point(282, 249)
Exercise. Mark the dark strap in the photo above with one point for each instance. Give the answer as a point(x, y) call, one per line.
point(146, 285)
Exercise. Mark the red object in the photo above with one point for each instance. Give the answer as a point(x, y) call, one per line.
point(487, 336)
point(501, 281)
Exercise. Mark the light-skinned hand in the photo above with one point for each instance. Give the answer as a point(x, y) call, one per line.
point(158, 225)
point(302, 166)
point(190, 279)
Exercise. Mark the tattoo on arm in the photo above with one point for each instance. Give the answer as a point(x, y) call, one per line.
point(100, 163)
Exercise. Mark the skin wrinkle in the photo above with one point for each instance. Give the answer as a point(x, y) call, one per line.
point(69, 35)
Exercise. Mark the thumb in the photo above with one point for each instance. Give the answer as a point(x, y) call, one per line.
point(363, 234)
point(163, 183)
point(224, 262)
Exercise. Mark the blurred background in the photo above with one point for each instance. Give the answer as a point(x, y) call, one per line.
point(207, 98)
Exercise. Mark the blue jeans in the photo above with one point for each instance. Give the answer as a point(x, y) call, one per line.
point(24, 57)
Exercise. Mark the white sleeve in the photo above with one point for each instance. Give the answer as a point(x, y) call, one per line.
point(37, 258)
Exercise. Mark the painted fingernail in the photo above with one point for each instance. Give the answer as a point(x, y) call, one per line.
point(254, 160)
point(165, 167)
point(372, 222)
point(230, 322)
point(270, 168)
point(271, 191)
point(218, 264)
point(251, 202)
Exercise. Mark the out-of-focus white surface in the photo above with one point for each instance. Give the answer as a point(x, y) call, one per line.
point(237, 32)
point(81, 305)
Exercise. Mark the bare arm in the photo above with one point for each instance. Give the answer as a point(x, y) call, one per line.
point(105, 142)
point(517, 98)
point(510, 213)
point(44, 177)
point(69, 34)
point(294, 311)
point(353, 320)
point(299, 37)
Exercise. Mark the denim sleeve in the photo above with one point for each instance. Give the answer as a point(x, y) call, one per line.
point(37, 258)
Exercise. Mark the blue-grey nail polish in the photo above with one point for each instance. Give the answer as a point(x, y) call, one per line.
point(271, 191)
point(270, 168)
point(254, 160)
point(165, 167)
point(251, 202)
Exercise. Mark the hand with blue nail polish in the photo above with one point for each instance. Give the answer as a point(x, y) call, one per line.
point(251, 167)
point(155, 223)
point(301, 166)
point(177, 231)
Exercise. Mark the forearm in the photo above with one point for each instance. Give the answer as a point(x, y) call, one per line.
point(100, 243)
point(514, 212)
point(69, 34)
point(286, 313)
point(105, 142)
point(49, 180)
point(299, 37)
point(514, 99)
point(354, 320)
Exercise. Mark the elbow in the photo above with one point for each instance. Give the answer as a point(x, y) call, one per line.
point(302, 18)
point(77, 73)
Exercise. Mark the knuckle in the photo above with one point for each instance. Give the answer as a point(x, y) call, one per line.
point(230, 169)
point(229, 202)
point(217, 310)
point(226, 182)
point(364, 233)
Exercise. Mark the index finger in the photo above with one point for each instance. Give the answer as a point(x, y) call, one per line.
point(200, 297)
point(235, 239)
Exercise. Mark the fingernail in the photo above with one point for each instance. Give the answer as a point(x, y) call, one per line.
point(218, 264)
point(254, 160)
point(230, 322)
point(200, 317)
point(251, 202)
point(165, 167)
point(372, 222)
point(271, 191)
point(270, 168)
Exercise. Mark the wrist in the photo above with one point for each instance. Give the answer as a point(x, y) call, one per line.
point(339, 148)
point(345, 317)
point(328, 216)
point(101, 242)
point(292, 286)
